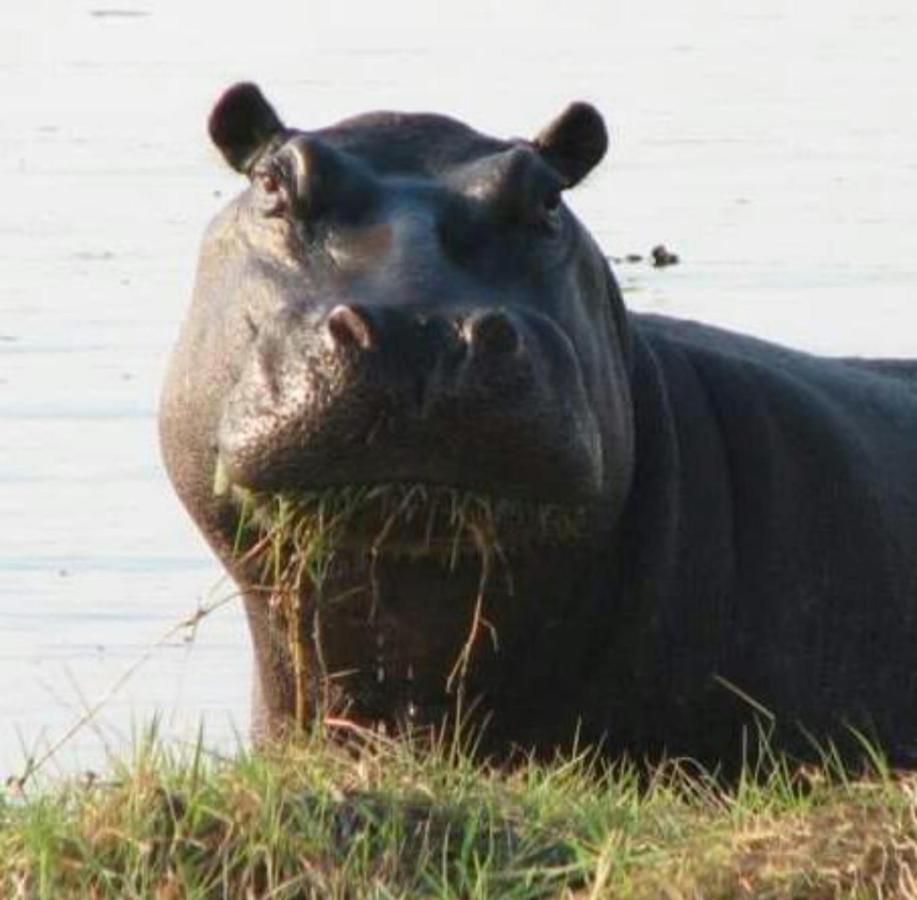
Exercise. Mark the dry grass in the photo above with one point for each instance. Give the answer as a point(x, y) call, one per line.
point(377, 819)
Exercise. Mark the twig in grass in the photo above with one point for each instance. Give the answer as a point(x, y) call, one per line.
point(460, 668)
point(743, 695)
point(188, 624)
point(86, 706)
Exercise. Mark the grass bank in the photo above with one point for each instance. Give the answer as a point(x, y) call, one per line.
point(381, 820)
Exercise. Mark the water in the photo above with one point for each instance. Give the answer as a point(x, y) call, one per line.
point(774, 148)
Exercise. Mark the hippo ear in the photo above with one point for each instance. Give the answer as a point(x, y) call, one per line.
point(574, 142)
point(242, 124)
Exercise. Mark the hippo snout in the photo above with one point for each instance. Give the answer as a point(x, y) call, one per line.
point(364, 395)
point(483, 336)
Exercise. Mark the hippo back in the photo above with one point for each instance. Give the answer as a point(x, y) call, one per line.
point(775, 501)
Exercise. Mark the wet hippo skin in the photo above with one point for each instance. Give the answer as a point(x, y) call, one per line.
point(400, 300)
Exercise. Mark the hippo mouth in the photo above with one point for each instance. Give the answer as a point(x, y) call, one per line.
point(315, 546)
point(399, 519)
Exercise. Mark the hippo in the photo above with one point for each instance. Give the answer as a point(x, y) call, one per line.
point(526, 510)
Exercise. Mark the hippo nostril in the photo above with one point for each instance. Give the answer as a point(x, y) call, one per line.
point(492, 333)
point(348, 328)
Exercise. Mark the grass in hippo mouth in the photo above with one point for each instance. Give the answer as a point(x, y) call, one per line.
point(297, 535)
point(412, 520)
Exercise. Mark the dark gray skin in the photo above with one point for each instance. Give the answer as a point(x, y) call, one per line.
point(398, 298)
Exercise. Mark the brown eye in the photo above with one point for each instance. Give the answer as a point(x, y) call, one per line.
point(269, 182)
point(272, 194)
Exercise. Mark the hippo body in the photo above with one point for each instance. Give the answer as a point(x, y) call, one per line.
point(400, 300)
point(775, 507)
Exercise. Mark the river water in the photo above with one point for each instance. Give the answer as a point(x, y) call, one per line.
point(774, 147)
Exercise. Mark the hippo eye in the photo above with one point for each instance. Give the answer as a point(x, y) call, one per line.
point(271, 184)
point(550, 210)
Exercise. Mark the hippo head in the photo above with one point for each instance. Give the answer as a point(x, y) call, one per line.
point(399, 407)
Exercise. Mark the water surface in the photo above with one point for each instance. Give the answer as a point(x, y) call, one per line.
point(774, 149)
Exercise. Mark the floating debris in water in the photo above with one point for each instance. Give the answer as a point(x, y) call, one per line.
point(662, 256)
